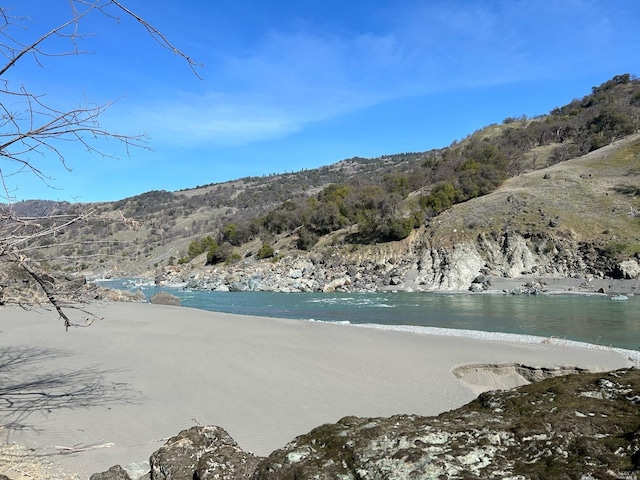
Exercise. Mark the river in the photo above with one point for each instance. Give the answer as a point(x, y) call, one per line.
point(592, 319)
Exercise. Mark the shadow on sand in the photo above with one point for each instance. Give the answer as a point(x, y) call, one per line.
point(29, 385)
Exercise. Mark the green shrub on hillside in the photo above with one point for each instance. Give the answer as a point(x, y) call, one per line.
point(325, 218)
point(441, 197)
point(400, 228)
point(197, 247)
point(219, 253)
point(266, 251)
point(306, 239)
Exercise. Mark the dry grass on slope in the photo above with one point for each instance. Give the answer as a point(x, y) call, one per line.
point(592, 198)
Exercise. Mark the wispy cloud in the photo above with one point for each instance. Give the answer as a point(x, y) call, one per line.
point(220, 120)
point(294, 77)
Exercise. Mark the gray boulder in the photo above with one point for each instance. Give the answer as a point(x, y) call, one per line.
point(114, 473)
point(203, 453)
point(238, 286)
point(629, 269)
point(164, 298)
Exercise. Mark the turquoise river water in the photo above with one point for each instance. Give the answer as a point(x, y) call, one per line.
point(585, 318)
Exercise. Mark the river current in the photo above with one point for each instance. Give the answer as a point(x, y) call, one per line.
point(592, 319)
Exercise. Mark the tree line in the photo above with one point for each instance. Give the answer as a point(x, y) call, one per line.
point(398, 193)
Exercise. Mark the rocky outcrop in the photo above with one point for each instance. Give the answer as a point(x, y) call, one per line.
point(629, 269)
point(508, 255)
point(577, 426)
point(419, 263)
point(17, 286)
point(114, 473)
point(203, 453)
point(451, 269)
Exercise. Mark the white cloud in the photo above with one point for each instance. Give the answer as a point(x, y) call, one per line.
point(295, 77)
point(212, 120)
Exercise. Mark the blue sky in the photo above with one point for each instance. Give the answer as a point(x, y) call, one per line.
point(288, 85)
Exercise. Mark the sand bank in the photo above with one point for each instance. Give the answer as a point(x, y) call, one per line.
point(112, 393)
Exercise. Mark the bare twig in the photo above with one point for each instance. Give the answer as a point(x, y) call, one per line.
point(48, 290)
point(67, 450)
point(31, 126)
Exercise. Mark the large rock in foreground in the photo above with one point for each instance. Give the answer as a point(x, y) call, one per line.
point(576, 426)
point(202, 453)
point(114, 473)
point(581, 426)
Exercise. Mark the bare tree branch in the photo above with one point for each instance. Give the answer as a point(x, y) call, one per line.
point(32, 126)
point(160, 38)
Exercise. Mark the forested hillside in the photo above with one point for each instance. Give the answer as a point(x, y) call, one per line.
point(356, 201)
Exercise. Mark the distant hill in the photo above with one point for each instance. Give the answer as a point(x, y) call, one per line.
point(39, 208)
point(568, 179)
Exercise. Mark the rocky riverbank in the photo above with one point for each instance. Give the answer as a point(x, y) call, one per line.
point(307, 273)
point(507, 262)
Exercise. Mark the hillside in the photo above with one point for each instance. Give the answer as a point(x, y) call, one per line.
point(555, 195)
point(578, 218)
point(590, 198)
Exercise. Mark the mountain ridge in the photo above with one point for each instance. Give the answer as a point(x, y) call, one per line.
point(558, 192)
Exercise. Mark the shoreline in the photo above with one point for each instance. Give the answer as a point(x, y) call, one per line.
point(544, 284)
point(144, 372)
point(294, 305)
point(540, 284)
point(632, 355)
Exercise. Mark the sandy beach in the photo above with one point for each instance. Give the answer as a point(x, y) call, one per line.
point(113, 392)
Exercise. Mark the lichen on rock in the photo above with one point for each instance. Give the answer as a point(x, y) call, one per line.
point(526, 433)
point(577, 426)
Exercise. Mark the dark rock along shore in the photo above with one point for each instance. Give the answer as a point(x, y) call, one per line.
point(579, 426)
